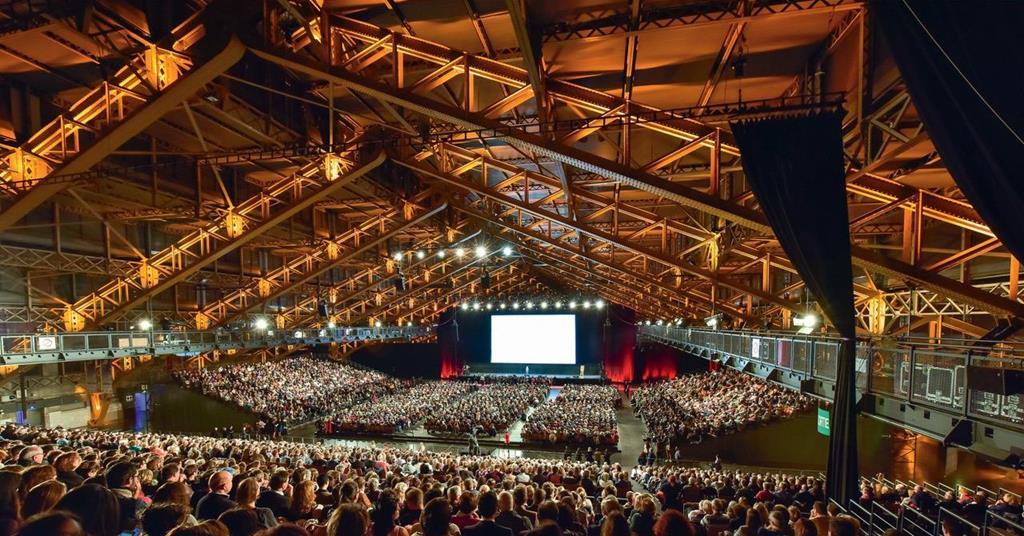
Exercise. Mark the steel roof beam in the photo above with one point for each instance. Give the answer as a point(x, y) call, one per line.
point(685, 196)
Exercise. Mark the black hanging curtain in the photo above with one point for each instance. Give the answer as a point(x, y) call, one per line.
point(795, 168)
point(962, 65)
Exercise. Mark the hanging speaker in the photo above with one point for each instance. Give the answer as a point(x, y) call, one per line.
point(485, 281)
point(321, 308)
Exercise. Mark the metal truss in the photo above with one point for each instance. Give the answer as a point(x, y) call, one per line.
point(629, 253)
point(344, 248)
point(44, 262)
point(614, 21)
point(424, 307)
point(367, 45)
point(201, 248)
point(149, 85)
point(348, 299)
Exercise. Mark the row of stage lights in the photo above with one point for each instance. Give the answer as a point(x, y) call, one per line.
point(479, 251)
point(529, 305)
point(262, 324)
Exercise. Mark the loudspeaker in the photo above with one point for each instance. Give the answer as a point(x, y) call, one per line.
point(995, 380)
point(400, 283)
point(321, 308)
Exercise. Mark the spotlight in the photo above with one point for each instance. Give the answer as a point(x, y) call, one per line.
point(572, 304)
point(420, 254)
point(529, 305)
point(377, 324)
point(506, 251)
point(586, 304)
point(440, 254)
point(261, 324)
point(476, 306)
point(659, 322)
point(270, 333)
point(515, 305)
point(480, 251)
point(299, 335)
point(558, 304)
point(465, 305)
point(711, 321)
point(543, 305)
point(408, 324)
point(490, 306)
point(647, 323)
point(599, 304)
point(398, 255)
point(323, 332)
point(145, 324)
point(459, 252)
point(807, 323)
point(331, 325)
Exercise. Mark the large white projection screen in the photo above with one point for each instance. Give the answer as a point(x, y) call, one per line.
point(533, 339)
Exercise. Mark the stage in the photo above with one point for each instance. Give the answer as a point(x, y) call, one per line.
point(589, 373)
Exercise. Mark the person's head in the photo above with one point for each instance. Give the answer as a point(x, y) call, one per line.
point(175, 492)
point(348, 520)
point(52, 524)
point(240, 521)
point(304, 496)
point(161, 518)
point(220, 482)
point(384, 513)
point(505, 502)
point(96, 507)
point(414, 499)
point(10, 501)
point(467, 503)
point(436, 517)
point(614, 524)
point(67, 462)
point(31, 455)
point(547, 513)
point(33, 476)
point(673, 523)
point(206, 528)
point(778, 519)
point(487, 504)
point(754, 521)
point(804, 527)
point(42, 497)
point(122, 475)
point(843, 525)
point(247, 492)
point(818, 510)
point(278, 480)
point(171, 472)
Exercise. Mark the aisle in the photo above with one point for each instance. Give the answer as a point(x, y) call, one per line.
point(631, 436)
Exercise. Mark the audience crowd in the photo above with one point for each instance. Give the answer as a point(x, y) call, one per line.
point(290, 390)
point(580, 414)
point(398, 411)
point(490, 409)
point(696, 407)
point(99, 483)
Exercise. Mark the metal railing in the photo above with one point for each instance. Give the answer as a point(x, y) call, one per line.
point(918, 371)
point(44, 347)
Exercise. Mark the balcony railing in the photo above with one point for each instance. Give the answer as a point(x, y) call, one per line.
point(43, 347)
point(916, 370)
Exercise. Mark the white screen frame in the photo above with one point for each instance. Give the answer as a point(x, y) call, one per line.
point(536, 339)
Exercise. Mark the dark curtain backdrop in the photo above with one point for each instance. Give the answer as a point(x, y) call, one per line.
point(403, 360)
point(795, 169)
point(942, 49)
point(619, 344)
point(448, 342)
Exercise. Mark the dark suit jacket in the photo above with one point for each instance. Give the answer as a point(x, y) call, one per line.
point(213, 505)
point(514, 522)
point(486, 528)
point(277, 502)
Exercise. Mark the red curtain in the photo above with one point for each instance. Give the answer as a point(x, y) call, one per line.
point(658, 362)
point(619, 344)
point(448, 340)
